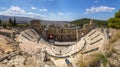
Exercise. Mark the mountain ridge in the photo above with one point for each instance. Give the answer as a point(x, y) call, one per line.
point(28, 19)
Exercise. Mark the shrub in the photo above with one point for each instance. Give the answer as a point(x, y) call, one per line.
point(115, 37)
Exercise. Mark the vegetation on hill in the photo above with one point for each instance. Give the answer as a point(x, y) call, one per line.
point(12, 23)
point(115, 22)
point(81, 22)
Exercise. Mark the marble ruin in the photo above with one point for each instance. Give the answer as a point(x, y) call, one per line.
point(68, 43)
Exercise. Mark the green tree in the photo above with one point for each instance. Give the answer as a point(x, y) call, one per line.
point(103, 59)
point(14, 22)
point(11, 22)
point(115, 22)
point(0, 22)
point(117, 14)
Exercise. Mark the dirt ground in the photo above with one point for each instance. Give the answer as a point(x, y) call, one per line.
point(5, 44)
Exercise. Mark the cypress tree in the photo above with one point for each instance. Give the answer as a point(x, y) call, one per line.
point(0, 22)
point(10, 22)
point(14, 22)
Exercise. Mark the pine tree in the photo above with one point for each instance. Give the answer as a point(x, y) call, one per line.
point(0, 22)
point(10, 22)
point(14, 22)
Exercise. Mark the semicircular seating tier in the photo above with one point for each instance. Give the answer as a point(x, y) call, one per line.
point(31, 41)
point(90, 42)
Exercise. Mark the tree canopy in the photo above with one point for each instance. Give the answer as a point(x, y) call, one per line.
point(14, 22)
point(10, 22)
point(81, 22)
point(0, 22)
point(115, 22)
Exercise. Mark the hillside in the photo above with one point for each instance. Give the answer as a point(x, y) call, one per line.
point(81, 22)
point(27, 19)
point(5, 18)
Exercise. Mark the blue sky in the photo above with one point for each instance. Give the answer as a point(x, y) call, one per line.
point(60, 10)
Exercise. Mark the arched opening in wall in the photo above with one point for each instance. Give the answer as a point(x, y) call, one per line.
point(61, 39)
point(61, 31)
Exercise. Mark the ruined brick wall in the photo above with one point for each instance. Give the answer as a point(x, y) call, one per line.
point(61, 33)
point(36, 25)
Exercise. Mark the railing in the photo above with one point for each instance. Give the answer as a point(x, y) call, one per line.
point(29, 35)
point(26, 37)
point(96, 41)
point(92, 33)
point(90, 50)
point(58, 56)
point(33, 32)
point(95, 36)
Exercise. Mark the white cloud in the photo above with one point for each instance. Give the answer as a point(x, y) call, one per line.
point(33, 8)
point(43, 10)
point(35, 15)
point(63, 14)
point(99, 9)
point(60, 16)
point(17, 11)
point(13, 10)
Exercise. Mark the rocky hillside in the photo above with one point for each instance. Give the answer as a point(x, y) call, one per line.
point(109, 57)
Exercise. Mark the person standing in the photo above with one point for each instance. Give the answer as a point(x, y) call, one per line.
point(51, 39)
